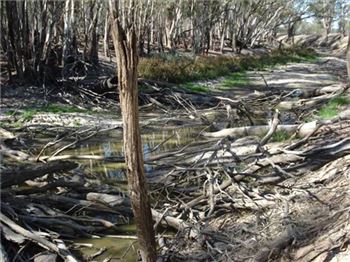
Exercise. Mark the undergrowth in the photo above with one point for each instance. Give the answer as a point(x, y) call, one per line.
point(183, 69)
point(332, 108)
point(238, 79)
point(196, 87)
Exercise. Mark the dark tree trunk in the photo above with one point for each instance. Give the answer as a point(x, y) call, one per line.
point(14, 38)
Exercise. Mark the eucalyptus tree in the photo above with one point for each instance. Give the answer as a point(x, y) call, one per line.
point(325, 12)
point(69, 37)
point(342, 11)
point(28, 29)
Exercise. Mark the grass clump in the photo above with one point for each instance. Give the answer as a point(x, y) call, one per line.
point(28, 114)
point(327, 112)
point(339, 101)
point(196, 87)
point(56, 108)
point(332, 108)
point(238, 79)
point(280, 136)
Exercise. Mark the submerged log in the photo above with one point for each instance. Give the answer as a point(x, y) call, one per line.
point(22, 173)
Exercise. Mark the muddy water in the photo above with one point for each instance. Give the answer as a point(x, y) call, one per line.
point(111, 145)
point(155, 141)
point(118, 249)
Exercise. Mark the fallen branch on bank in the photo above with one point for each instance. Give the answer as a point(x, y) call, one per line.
point(301, 130)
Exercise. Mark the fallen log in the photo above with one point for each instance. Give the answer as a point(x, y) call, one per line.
point(176, 223)
point(48, 221)
point(22, 173)
point(301, 130)
point(71, 203)
point(47, 187)
point(109, 200)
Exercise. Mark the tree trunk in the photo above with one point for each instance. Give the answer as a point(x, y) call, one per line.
point(68, 46)
point(348, 56)
point(222, 41)
point(125, 44)
point(14, 49)
point(92, 52)
point(106, 38)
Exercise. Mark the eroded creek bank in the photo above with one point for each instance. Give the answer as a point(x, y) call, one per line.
point(223, 183)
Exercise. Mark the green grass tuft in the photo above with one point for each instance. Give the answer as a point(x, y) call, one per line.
point(332, 108)
point(327, 112)
point(280, 136)
point(28, 114)
point(339, 101)
point(196, 87)
point(236, 79)
point(55, 108)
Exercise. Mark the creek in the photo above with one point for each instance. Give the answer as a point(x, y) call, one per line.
point(155, 141)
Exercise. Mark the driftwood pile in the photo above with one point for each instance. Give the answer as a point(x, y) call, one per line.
point(233, 195)
point(57, 206)
point(44, 205)
point(246, 199)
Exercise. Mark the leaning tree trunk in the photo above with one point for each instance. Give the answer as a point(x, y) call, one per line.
point(125, 44)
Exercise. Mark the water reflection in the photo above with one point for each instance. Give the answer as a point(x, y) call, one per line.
point(111, 145)
point(117, 249)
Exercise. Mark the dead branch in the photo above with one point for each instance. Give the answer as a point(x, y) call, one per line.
point(64, 253)
point(28, 172)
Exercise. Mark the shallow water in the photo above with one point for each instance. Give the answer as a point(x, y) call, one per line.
point(155, 141)
point(111, 145)
point(119, 249)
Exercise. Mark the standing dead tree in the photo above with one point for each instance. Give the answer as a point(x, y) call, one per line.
point(125, 44)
